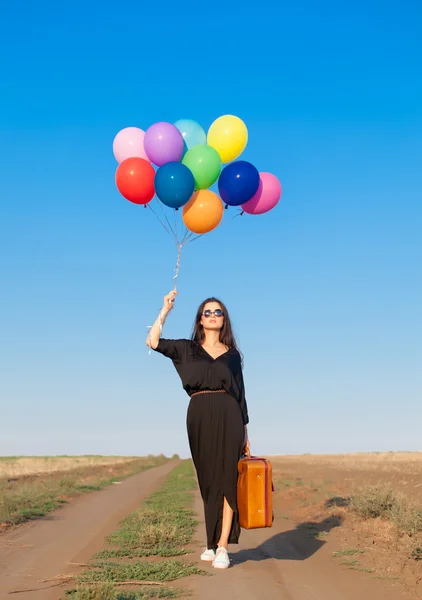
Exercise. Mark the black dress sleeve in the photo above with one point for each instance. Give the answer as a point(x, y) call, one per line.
point(173, 349)
point(242, 397)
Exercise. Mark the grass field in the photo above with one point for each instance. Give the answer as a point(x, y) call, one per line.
point(389, 462)
point(31, 487)
point(22, 466)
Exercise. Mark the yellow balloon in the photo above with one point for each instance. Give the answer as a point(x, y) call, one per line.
point(229, 136)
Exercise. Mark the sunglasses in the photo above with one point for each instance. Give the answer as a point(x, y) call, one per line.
point(209, 313)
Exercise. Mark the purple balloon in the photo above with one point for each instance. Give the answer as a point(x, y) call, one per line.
point(163, 143)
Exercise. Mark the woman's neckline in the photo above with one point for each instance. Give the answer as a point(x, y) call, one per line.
point(211, 356)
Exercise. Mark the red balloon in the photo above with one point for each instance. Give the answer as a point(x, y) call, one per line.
point(135, 180)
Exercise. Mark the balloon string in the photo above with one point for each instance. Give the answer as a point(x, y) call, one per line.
point(158, 218)
point(166, 218)
point(176, 270)
point(186, 235)
point(190, 237)
point(226, 222)
point(175, 225)
point(239, 214)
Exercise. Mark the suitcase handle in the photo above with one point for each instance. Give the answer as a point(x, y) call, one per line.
point(246, 452)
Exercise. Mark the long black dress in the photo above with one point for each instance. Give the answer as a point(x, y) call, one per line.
point(215, 424)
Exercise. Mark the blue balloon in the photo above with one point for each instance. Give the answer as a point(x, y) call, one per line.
point(174, 184)
point(239, 181)
point(192, 133)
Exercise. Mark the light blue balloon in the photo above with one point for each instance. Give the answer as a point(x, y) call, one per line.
point(192, 133)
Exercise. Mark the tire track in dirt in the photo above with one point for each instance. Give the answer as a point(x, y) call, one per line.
point(44, 548)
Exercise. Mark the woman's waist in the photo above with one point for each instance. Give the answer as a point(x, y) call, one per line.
point(201, 392)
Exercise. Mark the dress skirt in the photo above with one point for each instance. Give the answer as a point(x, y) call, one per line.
point(216, 439)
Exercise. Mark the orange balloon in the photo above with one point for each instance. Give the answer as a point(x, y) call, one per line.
point(203, 212)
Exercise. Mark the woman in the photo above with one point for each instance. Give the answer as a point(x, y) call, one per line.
point(210, 368)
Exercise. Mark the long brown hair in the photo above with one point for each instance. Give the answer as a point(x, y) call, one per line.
point(226, 334)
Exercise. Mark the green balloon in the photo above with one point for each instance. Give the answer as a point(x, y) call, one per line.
point(205, 164)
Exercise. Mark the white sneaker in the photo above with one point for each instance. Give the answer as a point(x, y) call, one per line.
point(208, 555)
point(221, 560)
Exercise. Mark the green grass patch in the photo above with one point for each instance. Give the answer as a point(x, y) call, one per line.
point(312, 531)
point(168, 570)
point(347, 552)
point(88, 488)
point(108, 592)
point(355, 565)
point(287, 483)
point(163, 525)
point(34, 497)
point(321, 535)
point(350, 562)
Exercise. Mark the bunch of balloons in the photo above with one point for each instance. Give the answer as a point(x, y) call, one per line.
point(188, 162)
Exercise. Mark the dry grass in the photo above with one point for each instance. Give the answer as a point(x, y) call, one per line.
point(403, 462)
point(35, 495)
point(380, 502)
point(374, 502)
point(416, 549)
point(23, 466)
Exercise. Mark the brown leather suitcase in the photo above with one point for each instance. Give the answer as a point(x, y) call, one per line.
point(255, 492)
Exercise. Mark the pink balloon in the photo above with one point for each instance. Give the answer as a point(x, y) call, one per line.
point(129, 143)
point(267, 196)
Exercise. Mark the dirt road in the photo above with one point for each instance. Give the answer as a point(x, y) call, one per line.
point(45, 548)
point(283, 563)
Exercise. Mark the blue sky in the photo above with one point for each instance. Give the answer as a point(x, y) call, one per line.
point(325, 291)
